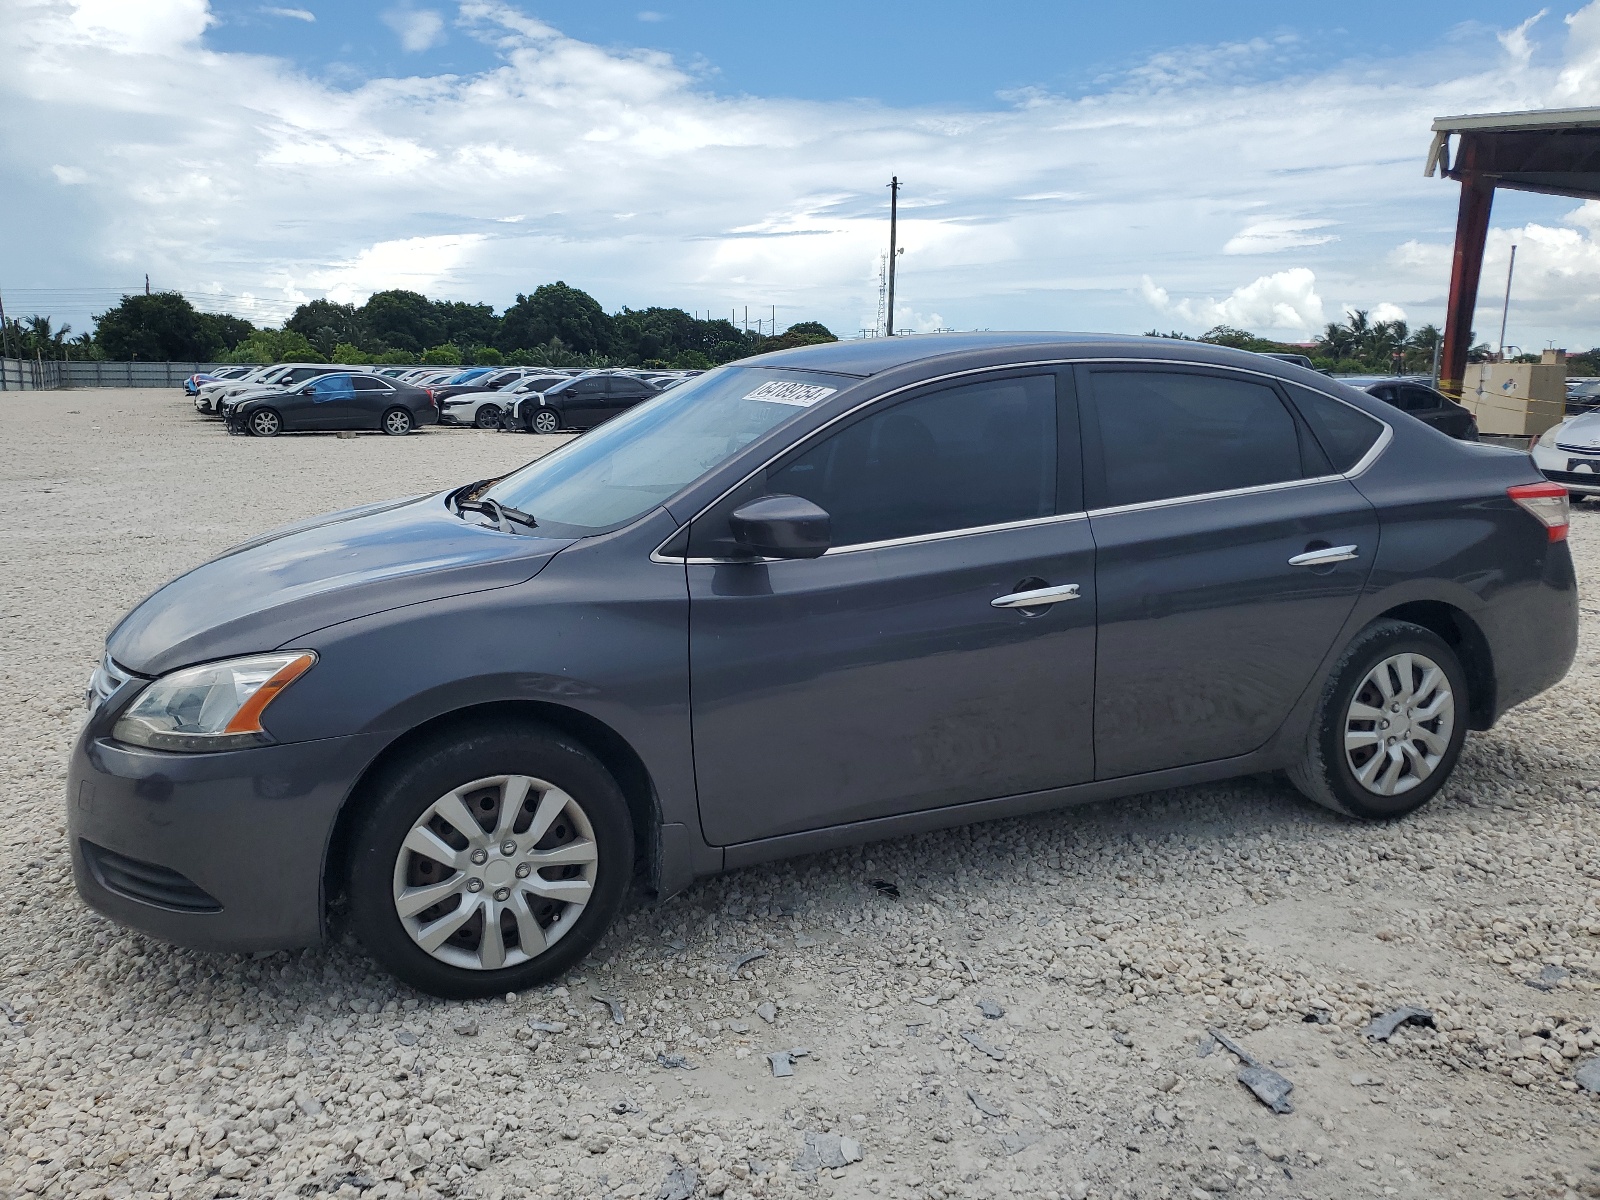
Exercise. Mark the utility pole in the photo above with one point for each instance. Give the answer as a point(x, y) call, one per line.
point(1506, 311)
point(147, 283)
point(5, 347)
point(894, 220)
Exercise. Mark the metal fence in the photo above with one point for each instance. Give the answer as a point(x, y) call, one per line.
point(32, 375)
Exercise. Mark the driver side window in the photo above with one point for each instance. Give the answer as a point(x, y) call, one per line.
point(957, 458)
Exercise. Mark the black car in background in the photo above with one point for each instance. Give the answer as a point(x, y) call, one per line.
point(579, 403)
point(344, 401)
point(493, 381)
point(1424, 403)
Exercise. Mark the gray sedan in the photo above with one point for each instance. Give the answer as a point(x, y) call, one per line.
point(838, 593)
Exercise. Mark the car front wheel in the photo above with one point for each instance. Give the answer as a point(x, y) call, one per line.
point(488, 417)
point(265, 423)
point(546, 421)
point(489, 862)
point(397, 422)
point(1390, 725)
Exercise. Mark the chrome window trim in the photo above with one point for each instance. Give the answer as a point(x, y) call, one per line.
point(1385, 436)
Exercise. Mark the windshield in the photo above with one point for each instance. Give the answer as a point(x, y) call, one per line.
point(466, 376)
point(633, 462)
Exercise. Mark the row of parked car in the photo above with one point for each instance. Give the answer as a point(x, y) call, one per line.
point(294, 397)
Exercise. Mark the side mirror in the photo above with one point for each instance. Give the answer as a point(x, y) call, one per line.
point(782, 527)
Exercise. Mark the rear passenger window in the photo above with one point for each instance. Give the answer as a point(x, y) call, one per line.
point(364, 384)
point(1345, 432)
point(1165, 434)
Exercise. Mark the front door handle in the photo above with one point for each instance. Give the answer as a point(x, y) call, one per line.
point(1037, 597)
point(1327, 556)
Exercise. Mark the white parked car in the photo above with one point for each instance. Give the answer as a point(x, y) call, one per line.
point(287, 375)
point(205, 397)
point(1569, 454)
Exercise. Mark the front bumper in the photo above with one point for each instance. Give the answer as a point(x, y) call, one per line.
point(1576, 470)
point(211, 851)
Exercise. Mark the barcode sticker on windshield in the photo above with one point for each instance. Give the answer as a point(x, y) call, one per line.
point(801, 395)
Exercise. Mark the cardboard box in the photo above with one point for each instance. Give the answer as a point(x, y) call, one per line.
point(1517, 399)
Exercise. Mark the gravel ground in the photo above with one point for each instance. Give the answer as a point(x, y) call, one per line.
point(1111, 936)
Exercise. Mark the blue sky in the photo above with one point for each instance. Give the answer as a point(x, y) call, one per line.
point(1073, 166)
point(929, 52)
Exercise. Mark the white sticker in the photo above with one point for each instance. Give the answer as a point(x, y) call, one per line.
point(801, 395)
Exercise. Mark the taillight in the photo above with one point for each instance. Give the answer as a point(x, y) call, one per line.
point(1548, 503)
point(432, 399)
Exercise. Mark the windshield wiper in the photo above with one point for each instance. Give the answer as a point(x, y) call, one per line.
point(503, 514)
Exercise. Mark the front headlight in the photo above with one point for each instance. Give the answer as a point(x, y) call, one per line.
point(1547, 439)
point(217, 706)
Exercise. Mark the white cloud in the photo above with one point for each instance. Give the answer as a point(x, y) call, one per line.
point(417, 28)
point(1285, 302)
point(70, 176)
point(293, 14)
point(648, 15)
point(1386, 312)
point(1273, 235)
point(633, 180)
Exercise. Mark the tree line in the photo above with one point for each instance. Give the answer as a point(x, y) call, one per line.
point(1359, 345)
point(556, 325)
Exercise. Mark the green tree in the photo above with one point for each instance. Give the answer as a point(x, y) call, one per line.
point(395, 358)
point(448, 354)
point(325, 324)
point(225, 331)
point(160, 327)
point(555, 310)
point(486, 356)
point(274, 345)
point(467, 324)
point(353, 356)
point(401, 320)
point(813, 332)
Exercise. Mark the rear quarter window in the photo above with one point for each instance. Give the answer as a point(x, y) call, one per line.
point(1344, 431)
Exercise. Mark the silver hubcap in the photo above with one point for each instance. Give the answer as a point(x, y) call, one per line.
point(264, 422)
point(545, 422)
point(398, 422)
point(496, 872)
point(1399, 724)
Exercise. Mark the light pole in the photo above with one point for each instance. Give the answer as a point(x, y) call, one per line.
point(894, 218)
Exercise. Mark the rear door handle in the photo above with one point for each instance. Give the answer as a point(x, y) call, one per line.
point(1037, 597)
point(1324, 557)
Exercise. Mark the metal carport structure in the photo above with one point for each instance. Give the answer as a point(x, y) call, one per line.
point(1553, 151)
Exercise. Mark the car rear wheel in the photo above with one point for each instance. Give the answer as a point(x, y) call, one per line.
point(265, 423)
point(546, 421)
point(489, 862)
point(1389, 728)
point(397, 422)
point(488, 417)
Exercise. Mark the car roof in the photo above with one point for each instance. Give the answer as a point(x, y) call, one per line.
point(870, 356)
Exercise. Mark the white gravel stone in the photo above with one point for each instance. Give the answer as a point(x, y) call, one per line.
point(1112, 934)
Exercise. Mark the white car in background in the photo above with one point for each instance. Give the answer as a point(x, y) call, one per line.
point(205, 397)
point(286, 375)
point(1569, 454)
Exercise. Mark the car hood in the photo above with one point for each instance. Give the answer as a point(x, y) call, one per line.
point(287, 583)
point(1582, 430)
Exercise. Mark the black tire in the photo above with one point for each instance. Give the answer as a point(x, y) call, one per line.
point(488, 417)
point(397, 422)
point(1327, 773)
point(545, 420)
point(404, 792)
point(264, 422)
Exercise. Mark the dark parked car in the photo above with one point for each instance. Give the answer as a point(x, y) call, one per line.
point(581, 402)
point(492, 381)
point(339, 401)
point(1425, 404)
point(837, 593)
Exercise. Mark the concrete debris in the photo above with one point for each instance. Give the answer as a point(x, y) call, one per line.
point(985, 1105)
point(783, 1061)
point(1588, 1076)
point(1271, 1088)
point(405, 1037)
point(1319, 1016)
point(1016, 1143)
point(1550, 978)
point(827, 1150)
point(611, 1002)
point(625, 1106)
point(743, 961)
point(547, 1026)
point(767, 1011)
point(884, 888)
point(991, 1010)
point(1204, 1045)
point(465, 1027)
point(679, 1183)
point(1381, 1028)
point(982, 1047)
point(676, 1062)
